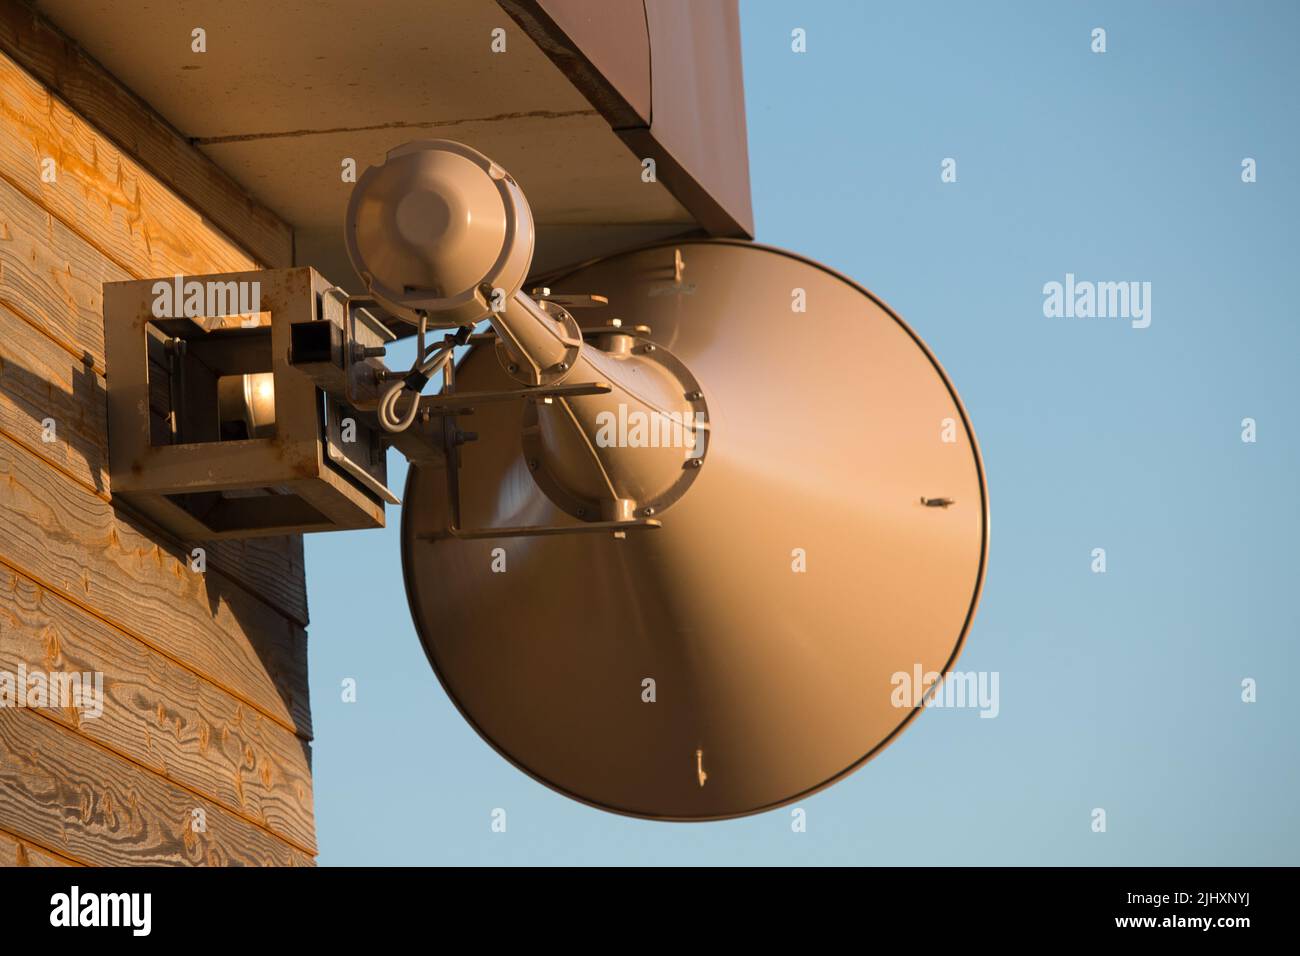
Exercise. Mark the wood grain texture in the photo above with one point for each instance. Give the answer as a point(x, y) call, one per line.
point(40, 381)
point(51, 278)
point(68, 538)
point(64, 792)
point(159, 714)
point(16, 852)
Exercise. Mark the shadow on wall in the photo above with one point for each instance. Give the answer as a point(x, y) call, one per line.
point(65, 426)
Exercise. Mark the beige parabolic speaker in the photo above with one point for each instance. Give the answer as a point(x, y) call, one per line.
point(742, 655)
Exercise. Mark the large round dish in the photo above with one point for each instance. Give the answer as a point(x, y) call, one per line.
point(829, 427)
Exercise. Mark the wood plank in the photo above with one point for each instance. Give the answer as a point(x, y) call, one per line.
point(132, 126)
point(40, 381)
point(52, 278)
point(274, 568)
point(64, 792)
point(15, 852)
point(74, 542)
point(161, 715)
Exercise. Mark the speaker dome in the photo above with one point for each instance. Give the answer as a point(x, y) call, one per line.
point(433, 225)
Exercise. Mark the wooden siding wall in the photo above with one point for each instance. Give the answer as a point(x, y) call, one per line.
point(205, 674)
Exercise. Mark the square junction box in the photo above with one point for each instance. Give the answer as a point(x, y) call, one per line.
point(212, 432)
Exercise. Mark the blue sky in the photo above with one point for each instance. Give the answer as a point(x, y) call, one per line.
point(1119, 690)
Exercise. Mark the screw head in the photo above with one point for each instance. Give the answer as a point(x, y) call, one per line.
point(694, 396)
point(647, 511)
point(694, 462)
